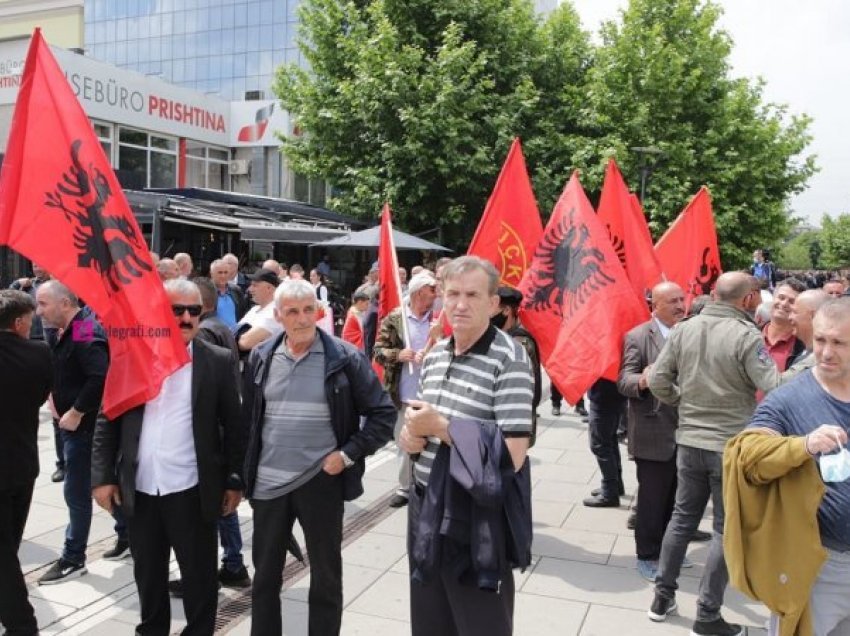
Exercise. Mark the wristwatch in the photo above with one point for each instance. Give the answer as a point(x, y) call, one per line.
point(346, 460)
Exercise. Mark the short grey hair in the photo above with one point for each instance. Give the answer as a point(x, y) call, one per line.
point(835, 309)
point(60, 291)
point(184, 288)
point(216, 263)
point(465, 264)
point(298, 289)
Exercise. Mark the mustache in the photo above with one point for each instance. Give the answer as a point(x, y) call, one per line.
point(187, 325)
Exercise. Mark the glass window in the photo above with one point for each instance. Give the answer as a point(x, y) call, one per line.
point(215, 20)
point(253, 66)
point(220, 155)
point(267, 11)
point(317, 192)
point(134, 160)
point(280, 11)
point(266, 39)
point(218, 176)
point(301, 188)
point(266, 67)
point(130, 136)
point(163, 170)
point(121, 29)
point(240, 15)
point(253, 9)
point(166, 143)
point(195, 149)
point(195, 173)
point(292, 10)
point(107, 150)
point(89, 33)
point(227, 14)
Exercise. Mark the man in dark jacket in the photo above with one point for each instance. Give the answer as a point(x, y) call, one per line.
point(230, 303)
point(303, 397)
point(26, 375)
point(81, 359)
point(173, 464)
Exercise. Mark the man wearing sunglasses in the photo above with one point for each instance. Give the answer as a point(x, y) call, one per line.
point(179, 471)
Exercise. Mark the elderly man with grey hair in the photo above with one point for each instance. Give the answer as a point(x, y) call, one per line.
point(174, 465)
point(303, 396)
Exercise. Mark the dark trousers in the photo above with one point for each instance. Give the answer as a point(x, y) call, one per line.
point(76, 449)
point(158, 524)
point(657, 484)
point(318, 507)
point(446, 607)
point(57, 442)
point(230, 535)
point(16, 613)
point(603, 420)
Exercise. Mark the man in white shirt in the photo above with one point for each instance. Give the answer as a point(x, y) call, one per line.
point(259, 324)
point(174, 465)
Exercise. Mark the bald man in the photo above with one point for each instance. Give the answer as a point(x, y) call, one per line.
point(710, 368)
point(652, 425)
point(802, 315)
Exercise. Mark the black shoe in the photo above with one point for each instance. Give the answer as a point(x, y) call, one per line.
point(580, 410)
point(62, 571)
point(661, 608)
point(556, 411)
point(717, 627)
point(58, 475)
point(700, 536)
point(120, 550)
point(621, 491)
point(398, 501)
point(631, 522)
point(601, 502)
point(238, 579)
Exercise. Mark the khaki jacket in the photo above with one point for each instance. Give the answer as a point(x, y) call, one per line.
point(710, 367)
point(388, 344)
point(771, 493)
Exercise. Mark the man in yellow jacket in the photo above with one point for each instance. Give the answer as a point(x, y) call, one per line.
point(814, 412)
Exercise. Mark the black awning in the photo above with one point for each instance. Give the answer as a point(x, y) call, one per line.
point(286, 233)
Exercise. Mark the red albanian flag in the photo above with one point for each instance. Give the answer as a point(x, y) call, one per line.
point(510, 227)
point(688, 250)
point(390, 295)
point(62, 207)
point(577, 301)
point(620, 212)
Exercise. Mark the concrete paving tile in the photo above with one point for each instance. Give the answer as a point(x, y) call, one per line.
point(379, 551)
point(577, 474)
point(388, 597)
point(577, 457)
point(562, 491)
point(43, 518)
point(355, 579)
point(572, 545)
point(550, 513)
point(293, 613)
point(539, 455)
point(356, 624)
point(395, 524)
point(402, 566)
point(612, 519)
point(103, 628)
point(35, 553)
point(48, 613)
point(547, 616)
point(604, 621)
point(103, 578)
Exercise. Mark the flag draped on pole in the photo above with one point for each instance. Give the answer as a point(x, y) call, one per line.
point(510, 227)
point(62, 207)
point(577, 301)
point(390, 295)
point(621, 213)
point(688, 251)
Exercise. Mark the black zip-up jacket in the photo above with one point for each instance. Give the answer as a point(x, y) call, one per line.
point(352, 389)
point(80, 363)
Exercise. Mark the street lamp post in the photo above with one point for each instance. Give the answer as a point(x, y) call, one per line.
point(650, 158)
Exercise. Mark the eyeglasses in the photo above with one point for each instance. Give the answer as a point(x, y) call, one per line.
point(194, 310)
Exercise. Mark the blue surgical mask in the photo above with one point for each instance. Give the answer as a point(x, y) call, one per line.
point(836, 466)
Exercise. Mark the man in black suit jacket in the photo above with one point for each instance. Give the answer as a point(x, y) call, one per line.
point(26, 376)
point(651, 425)
point(179, 471)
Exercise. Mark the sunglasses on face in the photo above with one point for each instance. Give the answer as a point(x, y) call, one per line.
point(194, 310)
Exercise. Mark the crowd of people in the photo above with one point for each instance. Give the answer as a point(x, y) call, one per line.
point(738, 398)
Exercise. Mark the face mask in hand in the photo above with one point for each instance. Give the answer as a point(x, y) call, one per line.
point(835, 467)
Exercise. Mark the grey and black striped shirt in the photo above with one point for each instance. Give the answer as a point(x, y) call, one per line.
point(490, 381)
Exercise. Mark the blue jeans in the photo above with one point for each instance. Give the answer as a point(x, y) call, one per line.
point(231, 541)
point(76, 448)
point(699, 476)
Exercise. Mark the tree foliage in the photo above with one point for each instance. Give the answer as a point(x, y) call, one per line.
point(797, 252)
point(835, 241)
point(416, 101)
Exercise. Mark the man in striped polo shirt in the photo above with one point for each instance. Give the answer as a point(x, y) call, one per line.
point(479, 373)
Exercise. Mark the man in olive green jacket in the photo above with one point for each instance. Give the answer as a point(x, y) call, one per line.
point(710, 368)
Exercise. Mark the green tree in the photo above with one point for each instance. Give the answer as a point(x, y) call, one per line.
point(661, 78)
point(835, 241)
point(797, 252)
point(416, 102)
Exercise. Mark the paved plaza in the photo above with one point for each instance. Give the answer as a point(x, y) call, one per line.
point(583, 580)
